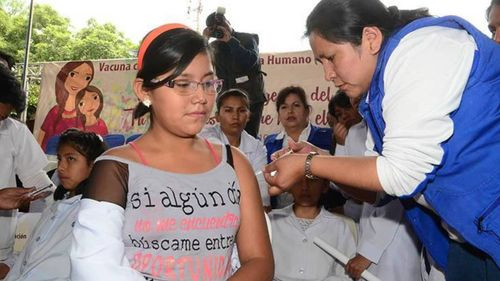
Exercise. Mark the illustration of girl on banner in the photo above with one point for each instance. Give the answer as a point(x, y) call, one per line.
point(89, 104)
point(72, 78)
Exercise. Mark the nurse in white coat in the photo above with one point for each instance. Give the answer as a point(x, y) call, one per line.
point(19, 154)
point(233, 113)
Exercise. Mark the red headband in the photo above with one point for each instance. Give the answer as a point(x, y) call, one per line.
point(152, 36)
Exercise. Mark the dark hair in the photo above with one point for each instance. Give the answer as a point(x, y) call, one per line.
point(488, 10)
point(173, 50)
point(215, 19)
point(285, 92)
point(88, 144)
point(10, 90)
point(79, 98)
point(60, 91)
point(343, 20)
point(8, 59)
point(232, 93)
point(339, 100)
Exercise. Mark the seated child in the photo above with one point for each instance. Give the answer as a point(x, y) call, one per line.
point(294, 229)
point(46, 253)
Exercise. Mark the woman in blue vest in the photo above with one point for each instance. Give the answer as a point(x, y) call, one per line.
point(293, 114)
point(433, 111)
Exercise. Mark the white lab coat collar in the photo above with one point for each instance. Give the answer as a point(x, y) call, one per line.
point(303, 136)
point(247, 142)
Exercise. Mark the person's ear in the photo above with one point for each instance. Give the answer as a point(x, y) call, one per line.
point(217, 116)
point(371, 39)
point(139, 90)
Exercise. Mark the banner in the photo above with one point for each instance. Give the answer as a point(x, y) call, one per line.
point(107, 104)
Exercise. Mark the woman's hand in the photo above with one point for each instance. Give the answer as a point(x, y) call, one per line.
point(282, 173)
point(14, 197)
point(340, 132)
point(301, 147)
point(356, 266)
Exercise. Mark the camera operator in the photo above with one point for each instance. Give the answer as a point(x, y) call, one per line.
point(237, 62)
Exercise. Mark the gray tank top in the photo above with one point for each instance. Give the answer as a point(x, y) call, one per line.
point(181, 226)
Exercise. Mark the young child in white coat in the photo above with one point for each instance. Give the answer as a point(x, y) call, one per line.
point(294, 229)
point(46, 253)
point(387, 245)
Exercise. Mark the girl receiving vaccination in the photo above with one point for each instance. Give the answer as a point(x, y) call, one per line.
point(46, 254)
point(170, 205)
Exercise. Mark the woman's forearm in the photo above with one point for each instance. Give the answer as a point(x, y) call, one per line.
point(355, 172)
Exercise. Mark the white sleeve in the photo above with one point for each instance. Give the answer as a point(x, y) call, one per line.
point(424, 81)
point(97, 251)
point(378, 229)
point(258, 164)
point(29, 158)
point(346, 245)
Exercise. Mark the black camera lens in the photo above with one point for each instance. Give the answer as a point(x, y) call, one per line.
point(217, 33)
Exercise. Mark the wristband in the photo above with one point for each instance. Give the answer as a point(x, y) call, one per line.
point(307, 166)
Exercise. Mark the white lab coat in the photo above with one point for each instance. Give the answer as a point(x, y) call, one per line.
point(386, 239)
point(46, 253)
point(20, 154)
point(295, 255)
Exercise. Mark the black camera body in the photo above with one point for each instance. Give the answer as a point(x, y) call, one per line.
point(217, 32)
point(215, 21)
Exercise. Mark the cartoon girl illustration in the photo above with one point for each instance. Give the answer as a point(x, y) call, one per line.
point(89, 104)
point(72, 78)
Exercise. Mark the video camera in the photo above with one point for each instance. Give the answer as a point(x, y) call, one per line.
point(214, 21)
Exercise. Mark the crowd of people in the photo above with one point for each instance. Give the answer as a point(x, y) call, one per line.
point(404, 182)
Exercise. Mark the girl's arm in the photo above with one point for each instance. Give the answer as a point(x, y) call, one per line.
point(98, 251)
point(254, 247)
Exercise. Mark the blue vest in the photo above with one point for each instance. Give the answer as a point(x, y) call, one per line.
point(320, 137)
point(464, 189)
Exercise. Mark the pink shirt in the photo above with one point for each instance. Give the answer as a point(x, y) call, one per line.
point(62, 125)
point(99, 128)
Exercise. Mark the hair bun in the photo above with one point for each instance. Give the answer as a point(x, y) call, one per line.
point(394, 13)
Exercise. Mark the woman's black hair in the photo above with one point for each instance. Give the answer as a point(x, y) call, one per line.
point(231, 93)
point(173, 50)
point(340, 21)
point(339, 100)
point(88, 144)
point(488, 10)
point(8, 59)
point(285, 92)
point(11, 92)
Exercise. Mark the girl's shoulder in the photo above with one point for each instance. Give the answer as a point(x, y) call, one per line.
point(124, 151)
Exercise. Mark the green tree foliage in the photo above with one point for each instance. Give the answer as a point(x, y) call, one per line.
point(52, 39)
point(101, 41)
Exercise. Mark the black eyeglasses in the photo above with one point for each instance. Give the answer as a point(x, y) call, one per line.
point(189, 87)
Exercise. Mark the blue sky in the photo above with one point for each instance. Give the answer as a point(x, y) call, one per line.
point(279, 23)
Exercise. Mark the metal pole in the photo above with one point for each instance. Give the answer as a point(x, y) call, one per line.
point(26, 57)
